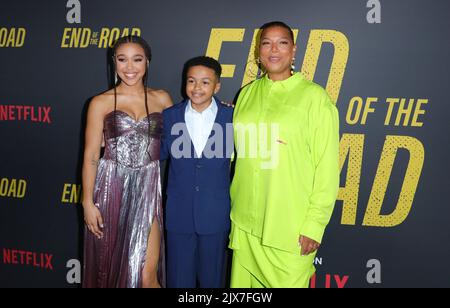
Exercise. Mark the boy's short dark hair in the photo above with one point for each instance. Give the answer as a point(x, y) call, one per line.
point(204, 61)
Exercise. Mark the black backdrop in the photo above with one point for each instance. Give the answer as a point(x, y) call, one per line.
point(390, 227)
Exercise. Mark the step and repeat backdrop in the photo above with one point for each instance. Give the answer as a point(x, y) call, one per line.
point(385, 63)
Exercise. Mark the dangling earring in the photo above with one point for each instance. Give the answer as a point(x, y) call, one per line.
point(261, 72)
point(293, 66)
point(116, 77)
point(252, 69)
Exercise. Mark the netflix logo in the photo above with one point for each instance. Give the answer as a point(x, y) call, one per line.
point(329, 281)
point(37, 114)
point(28, 258)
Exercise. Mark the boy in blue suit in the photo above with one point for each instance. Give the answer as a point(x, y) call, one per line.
point(198, 142)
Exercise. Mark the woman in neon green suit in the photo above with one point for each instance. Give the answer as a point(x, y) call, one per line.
point(287, 170)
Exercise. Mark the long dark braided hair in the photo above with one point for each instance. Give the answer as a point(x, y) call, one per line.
point(148, 54)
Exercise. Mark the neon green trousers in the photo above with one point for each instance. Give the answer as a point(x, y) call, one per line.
point(258, 266)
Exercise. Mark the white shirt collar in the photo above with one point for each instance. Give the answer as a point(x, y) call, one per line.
point(200, 125)
point(211, 110)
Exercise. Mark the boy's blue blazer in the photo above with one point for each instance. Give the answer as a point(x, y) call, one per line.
point(198, 190)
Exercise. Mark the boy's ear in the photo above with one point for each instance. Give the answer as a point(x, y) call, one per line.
point(217, 89)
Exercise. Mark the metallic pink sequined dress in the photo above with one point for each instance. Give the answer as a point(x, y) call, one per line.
point(128, 193)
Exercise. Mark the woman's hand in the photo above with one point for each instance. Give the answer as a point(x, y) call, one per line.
point(307, 245)
point(93, 219)
point(228, 104)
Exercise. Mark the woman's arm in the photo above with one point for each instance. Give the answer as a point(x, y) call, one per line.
point(93, 142)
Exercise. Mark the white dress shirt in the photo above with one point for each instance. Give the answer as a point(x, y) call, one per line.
point(200, 125)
